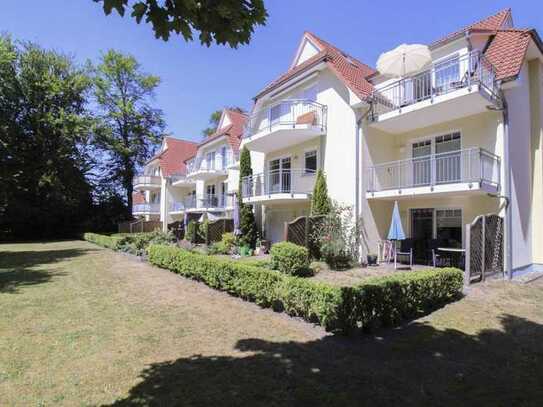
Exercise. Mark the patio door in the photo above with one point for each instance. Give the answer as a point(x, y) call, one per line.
point(422, 232)
point(421, 153)
point(279, 178)
point(448, 160)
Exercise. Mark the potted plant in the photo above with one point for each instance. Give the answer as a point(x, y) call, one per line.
point(372, 259)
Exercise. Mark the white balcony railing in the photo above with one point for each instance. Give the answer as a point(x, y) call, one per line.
point(146, 180)
point(146, 208)
point(220, 163)
point(177, 206)
point(469, 165)
point(285, 181)
point(208, 201)
point(290, 113)
point(442, 78)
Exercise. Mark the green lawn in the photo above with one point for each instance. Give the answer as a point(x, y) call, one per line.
point(82, 325)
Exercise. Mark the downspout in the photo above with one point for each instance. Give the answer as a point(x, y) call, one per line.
point(357, 188)
point(507, 187)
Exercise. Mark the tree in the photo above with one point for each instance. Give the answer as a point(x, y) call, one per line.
point(44, 128)
point(229, 22)
point(128, 128)
point(215, 118)
point(247, 223)
point(320, 202)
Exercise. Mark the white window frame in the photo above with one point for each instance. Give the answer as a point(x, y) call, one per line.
point(311, 150)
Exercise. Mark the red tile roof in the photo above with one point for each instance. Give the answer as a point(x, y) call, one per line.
point(491, 23)
point(507, 50)
point(172, 160)
point(233, 132)
point(348, 69)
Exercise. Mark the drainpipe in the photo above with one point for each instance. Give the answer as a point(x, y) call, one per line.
point(357, 187)
point(507, 187)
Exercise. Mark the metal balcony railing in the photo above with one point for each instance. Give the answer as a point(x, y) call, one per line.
point(220, 163)
point(146, 208)
point(469, 165)
point(177, 206)
point(208, 201)
point(284, 181)
point(146, 180)
point(442, 78)
point(290, 112)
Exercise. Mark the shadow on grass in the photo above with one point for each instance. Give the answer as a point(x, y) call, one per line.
point(415, 365)
point(22, 268)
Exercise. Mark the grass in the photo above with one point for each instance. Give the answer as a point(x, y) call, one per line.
point(82, 325)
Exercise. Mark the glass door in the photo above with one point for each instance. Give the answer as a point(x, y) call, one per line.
point(448, 159)
point(421, 153)
point(279, 179)
point(422, 232)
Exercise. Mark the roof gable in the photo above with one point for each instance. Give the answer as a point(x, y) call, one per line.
point(352, 72)
point(502, 19)
point(307, 49)
point(172, 158)
point(233, 132)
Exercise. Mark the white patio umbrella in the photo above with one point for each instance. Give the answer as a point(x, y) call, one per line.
point(404, 60)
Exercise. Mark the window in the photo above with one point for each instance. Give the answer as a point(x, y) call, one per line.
point(446, 73)
point(210, 158)
point(310, 161)
point(449, 226)
point(223, 157)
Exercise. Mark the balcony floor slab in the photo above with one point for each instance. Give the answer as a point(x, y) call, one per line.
point(461, 188)
point(277, 198)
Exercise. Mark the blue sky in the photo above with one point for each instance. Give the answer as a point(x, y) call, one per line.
point(197, 80)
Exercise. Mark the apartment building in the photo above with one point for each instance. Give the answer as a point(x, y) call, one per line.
point(192, 178)
point(461, 138)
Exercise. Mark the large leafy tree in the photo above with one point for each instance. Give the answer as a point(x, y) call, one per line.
point(229, 22)
point(44, 125)
point(129, 127)
point(247, 223)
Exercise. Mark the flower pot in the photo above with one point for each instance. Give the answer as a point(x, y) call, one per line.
point(245, 251)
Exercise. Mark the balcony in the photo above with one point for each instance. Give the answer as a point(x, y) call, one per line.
point(209, 202)
point(143, 182)
point(177, 207)
point(278, 186)
point(285, 124)
point(146, 209)
point(182, 181)
point(458, 87)
point(470, 171)
point(204, 169)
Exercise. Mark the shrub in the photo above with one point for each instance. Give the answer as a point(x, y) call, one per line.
point(336, 237)
point(247, 222)
point(268, 288)
point(192, 228)
point(111, 242)
point(290, 258)
point(218, 248)
point(378, 301)
point(202, 229)
point(229, 240)
point(320, 202)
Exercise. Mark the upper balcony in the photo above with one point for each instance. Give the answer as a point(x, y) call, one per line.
point(182, 181)
point(211, 166)
point(146, 209)
point(282, 125)
point(278, 186)
point(143, 182)
point(472, 170)
point(457, 87)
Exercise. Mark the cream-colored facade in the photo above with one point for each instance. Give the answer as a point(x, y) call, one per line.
point(460, 145)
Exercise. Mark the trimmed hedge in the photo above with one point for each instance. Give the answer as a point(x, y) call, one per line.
point(111, 242)
point(378, 301)
point(289, 258)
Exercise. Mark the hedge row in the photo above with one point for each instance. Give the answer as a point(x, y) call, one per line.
point(378, 301)
point(111, 242)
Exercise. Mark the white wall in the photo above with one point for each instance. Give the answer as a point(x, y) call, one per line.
point(519, 154)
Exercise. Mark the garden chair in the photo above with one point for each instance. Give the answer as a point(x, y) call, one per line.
point(406, 251)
